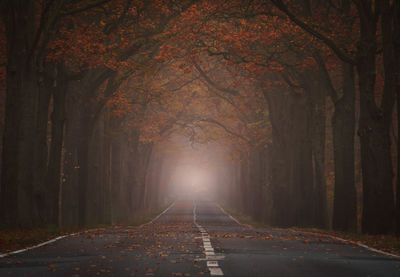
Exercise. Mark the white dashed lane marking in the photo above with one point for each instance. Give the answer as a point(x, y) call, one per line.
point(215, 271)
point(212, 265)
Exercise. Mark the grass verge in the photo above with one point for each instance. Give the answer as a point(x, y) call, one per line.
point(144, 217)
point(11, 240)
point(16, 239)
point(388, 243)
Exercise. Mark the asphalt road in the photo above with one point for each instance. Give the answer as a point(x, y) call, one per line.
point(195, 238)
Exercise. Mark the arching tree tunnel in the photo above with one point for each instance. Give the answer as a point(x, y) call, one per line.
point(282, 110)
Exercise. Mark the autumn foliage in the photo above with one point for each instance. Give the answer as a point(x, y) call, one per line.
point(299, 94)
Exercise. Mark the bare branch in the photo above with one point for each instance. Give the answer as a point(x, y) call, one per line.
point(212, 83)
point(330, 43)
point(226, 129)
point(84, 8)
point(325, 77)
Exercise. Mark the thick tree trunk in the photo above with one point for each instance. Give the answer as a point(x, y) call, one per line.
point(131, 173)
point(83, 159)
point(303, 167)
point(279, 176)
point(374, 132)
point(17, 203)
point(142, 173)
point(343, 124)
point(55, 158)
point(83, 166)
point(41, 194)
point(291, 170)
point(70, 182)
point(398, 163)
point(316, 105)
point(116, 166)
point(108, 205)
point(396, 41)
point(97, 179)
point(253, 189)
point(153, 183)
point(244, 184)
point(258, 183)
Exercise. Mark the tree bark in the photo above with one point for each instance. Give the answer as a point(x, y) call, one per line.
point(396, 42)
point(55, 157)
point(116, 166)
point(17, 205)
point(374, 133)
point(292, 171)
point(83, 164)
point(318, 136)
point(343, 124)
point(316, 121)
point(145, 151)
point(41, 195)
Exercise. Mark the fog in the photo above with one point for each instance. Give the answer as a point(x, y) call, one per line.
point(191, 181)
point(283, 110)
point(194, 170)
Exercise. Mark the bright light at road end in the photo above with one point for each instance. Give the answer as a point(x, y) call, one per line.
point(191, 181)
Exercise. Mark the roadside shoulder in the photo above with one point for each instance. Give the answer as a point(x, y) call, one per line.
point(388, 245)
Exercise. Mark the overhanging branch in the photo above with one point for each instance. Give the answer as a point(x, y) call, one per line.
point(330, 43)
point(212, 83)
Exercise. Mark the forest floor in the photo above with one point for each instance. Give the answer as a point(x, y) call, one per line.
point(14, 239)
point(388, 243)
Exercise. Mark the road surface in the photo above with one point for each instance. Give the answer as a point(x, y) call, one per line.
point(196, 238)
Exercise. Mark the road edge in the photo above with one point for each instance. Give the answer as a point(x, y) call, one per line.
point(233, 218)
point(372, 249)
point(158, 216)
point(6, 254)
point(359, 244)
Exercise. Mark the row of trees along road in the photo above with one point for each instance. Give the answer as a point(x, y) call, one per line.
point(303, 94)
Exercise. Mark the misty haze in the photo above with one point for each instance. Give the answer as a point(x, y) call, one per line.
point(200, 138)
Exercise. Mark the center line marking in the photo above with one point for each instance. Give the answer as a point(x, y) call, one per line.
point(211, 258)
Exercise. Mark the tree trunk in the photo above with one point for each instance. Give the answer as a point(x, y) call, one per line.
point(343, 124)
point(130, 177)
point(244, 184)
point(374, 132)
point(279, 176)
point(142, 173)
point(40, 155)
point(17, 205)
point(55, 158)
point(303, 169)
point(316, 105)
point(398, 163)
point(258, 183)
point(396, 41)
point(83, 165)
point(116, 165)
point(292, 171)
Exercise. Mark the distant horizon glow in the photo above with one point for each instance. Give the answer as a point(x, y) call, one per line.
point(191, 180)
